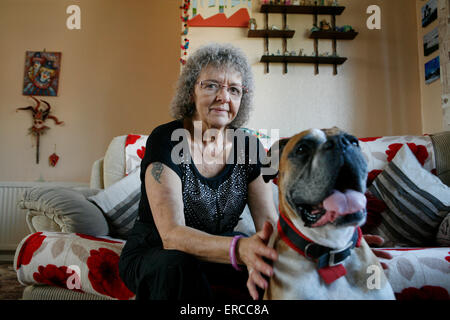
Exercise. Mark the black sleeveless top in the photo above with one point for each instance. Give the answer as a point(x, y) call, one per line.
point(212, 205)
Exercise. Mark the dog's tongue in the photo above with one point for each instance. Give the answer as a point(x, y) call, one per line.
point(340, 204)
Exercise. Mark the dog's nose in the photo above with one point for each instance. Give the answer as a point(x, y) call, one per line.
point(337, 141)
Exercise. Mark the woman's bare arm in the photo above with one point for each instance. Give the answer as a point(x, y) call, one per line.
point(166, 202)
point(261, 204)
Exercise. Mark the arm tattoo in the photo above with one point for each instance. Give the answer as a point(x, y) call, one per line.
point(157, 169)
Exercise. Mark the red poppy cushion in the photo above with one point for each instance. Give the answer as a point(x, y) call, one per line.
point(72, 261)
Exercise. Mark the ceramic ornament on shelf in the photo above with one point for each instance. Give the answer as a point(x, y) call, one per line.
point(40, 114)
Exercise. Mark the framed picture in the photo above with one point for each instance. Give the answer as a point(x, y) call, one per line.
point(41, 76)
point(431, 42)
point(432, 70)
point(429, 12)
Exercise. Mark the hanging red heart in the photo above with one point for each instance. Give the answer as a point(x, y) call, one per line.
point(53, 159)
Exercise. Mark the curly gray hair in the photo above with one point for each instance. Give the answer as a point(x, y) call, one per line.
point(216, 55)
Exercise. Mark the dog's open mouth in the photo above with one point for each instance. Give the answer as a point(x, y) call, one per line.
point(345, 203)
point(338, 204)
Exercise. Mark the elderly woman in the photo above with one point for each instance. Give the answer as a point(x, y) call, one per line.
point(183, 242)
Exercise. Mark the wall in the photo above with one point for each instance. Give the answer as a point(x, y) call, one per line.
point(444, 49)
point(432, 116)
point(376, 92)
point(117, 77)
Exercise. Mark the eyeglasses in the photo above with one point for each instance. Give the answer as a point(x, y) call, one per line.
point(210, 87)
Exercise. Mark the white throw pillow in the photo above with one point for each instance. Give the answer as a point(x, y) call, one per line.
point(417, 201)
point(120, 203)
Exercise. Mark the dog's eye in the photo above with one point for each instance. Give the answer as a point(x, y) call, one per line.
point(301, 149)
point(354, 142)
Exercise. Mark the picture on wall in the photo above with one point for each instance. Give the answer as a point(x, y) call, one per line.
point(222, 13)
point(432, 70)
point(41, 76)
point(431, 42)
point(429, 12)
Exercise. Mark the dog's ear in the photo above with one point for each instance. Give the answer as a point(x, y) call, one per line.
point(270, 166)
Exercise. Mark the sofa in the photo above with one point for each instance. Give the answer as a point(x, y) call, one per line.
point(77, 234)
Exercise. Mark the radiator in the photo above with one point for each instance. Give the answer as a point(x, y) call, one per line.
point(13, 226)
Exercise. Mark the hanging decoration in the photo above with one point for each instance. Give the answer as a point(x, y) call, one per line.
point(185, 17)
point(40, 115)
point(53, 159)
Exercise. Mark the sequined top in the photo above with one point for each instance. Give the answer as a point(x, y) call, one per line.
point(212, 205)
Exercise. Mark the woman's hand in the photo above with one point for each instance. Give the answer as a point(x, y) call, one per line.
point(251, 252)
point(378, 241)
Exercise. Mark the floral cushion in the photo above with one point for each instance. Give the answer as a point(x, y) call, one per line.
point(419, 273)
point(73, 261)
point(90, 264)
point(378, 151)
point(134, 151)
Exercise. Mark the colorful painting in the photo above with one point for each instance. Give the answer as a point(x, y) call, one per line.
point(221, 13)
point(237, 20)
point(41, 77)
point(432, 70)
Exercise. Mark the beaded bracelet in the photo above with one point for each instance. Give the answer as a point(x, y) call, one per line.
point(233, 252)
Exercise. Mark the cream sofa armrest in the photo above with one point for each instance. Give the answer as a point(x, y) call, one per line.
point(63, 209)
point(96, 181)
point(443, 234)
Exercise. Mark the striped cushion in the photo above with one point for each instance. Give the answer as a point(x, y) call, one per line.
point(417, 202)
point(119, 203)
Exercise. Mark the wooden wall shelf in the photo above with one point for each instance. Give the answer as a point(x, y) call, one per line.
point(333, 35)
point(304, 59)
point(316, 59)
point(271, 33)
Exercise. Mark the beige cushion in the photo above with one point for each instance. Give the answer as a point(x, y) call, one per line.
point(65, 207)
point(114, 161)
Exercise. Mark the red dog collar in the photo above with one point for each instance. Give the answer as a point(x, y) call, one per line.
point(329, 261)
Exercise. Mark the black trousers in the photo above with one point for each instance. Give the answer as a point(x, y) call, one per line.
point(154, 273)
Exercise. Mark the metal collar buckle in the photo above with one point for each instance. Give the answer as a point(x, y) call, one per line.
point(332, 253)
point(306, 251)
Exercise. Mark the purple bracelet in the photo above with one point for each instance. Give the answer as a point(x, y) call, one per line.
point(233, 252)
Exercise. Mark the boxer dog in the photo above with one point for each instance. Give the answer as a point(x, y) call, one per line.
point(321, 177)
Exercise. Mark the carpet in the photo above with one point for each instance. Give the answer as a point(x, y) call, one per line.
point(10, 288)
